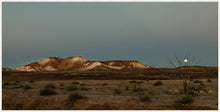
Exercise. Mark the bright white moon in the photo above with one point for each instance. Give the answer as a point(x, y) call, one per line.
point(185, 60)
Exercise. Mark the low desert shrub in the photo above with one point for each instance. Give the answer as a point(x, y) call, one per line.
point(31, 81)
point(73, 97)
point(151, 92)
point(50, 85)
point(104, 84)
point(132, 81)
point(117, 91)
point(185, 100)
point(139, 82)
point(192, 93)
point(126, 88)
point(15, 83)
point(84, 89)
point(209, 80)
point(194, 90)
point(16, 87)
point(82, 84)
point(75, 82)
point(202, 84)
point(61, 84)
point(6, 83)
point(198, 81)
point(145, 98)
point(27, 87)
point(137, 89)
point(71, 88)
point(158, 83)
point(202, 88)
point(19, 106)
point(47, 91)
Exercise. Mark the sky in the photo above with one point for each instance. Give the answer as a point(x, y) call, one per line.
point(147, 32)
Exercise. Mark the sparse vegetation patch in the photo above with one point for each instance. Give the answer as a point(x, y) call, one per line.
point(145, 98)
point(117, 91)
point(73, 97)
point(132, 81)
point(158, 83)
point(185, 100)
point(31, 81)
point(71, 88)
point(209, 80)
point(50, 85)
point(47, 91)
point(27, 87)
point(6, 83)
point(82, 84)
point(137, 89)
point(126, 88)
point(139, 82)
point(198, 81)
point(104, 84)
point(75, 82)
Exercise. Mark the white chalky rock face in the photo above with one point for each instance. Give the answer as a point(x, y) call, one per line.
point(90, 65)
point(138, 65)
point(45, 60)
point(25, 68)
point(49, 68)
point(111, 63)
point(115, 67)
point(78, 59)
point(50, 61)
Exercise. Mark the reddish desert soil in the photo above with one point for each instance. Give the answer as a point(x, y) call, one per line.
point(99, 89)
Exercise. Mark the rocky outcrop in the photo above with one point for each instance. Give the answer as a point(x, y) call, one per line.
point(78, 63)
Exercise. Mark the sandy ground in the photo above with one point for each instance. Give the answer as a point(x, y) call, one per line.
point(102, 96)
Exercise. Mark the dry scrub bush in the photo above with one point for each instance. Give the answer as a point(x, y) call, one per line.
point(117, 91)
point(158, 83)
point(71, 88)
point(31, 81)
point(19, 106)
point(132, 81)
point(104, 84)
point(27, 87)
point(82, 84)
point(181, 63)
point(73, 97)
point(50, 85)
point(137, 89)
point(75, 82)
point(185, 100)
point(209, 80)
point(47, 91)
point(145, 98)
point(6, 83)
point(126, 88)
point(15, 83)
point(198, 81)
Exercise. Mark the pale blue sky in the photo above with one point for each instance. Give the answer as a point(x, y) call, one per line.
point(147, 32)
